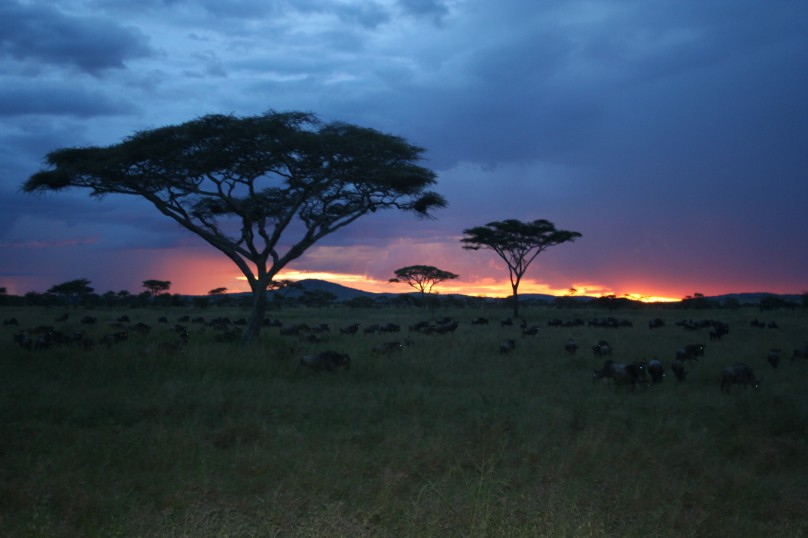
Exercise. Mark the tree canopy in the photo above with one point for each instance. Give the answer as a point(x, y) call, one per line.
point(156, 287)
point(517, 243)
point(72, 290)
point(422, 277)
point(261, 189)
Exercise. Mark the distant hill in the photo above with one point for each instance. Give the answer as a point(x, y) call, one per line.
point(342, 293)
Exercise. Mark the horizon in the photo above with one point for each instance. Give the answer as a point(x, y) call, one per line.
point(356, 282)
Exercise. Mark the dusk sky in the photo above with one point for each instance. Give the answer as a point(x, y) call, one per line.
point(672, 134)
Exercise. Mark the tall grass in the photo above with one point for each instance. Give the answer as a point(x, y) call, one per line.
point(446, 438)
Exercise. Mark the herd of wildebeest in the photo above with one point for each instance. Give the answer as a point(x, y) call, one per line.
point(621, 374)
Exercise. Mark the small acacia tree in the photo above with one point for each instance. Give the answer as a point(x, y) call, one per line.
point(422, 277)
point(261, 189)
point(517, 243)
point(156, 287)
point(73, 290)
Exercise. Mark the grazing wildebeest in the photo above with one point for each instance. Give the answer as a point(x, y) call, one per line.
point(506, 346)
point(571, 347)
point(326, 360)
point(530, 331)
point(678, 369)
point(656, 323)
point(620, 373)
point(690, 352)
point(773, 357)
point(479, 321)
point(505, 322)
point(11, 322)
point(386, 348)
point(655, 370)
point(738, 374)
point(602, 348)
point(350, 329)
point(800, 353)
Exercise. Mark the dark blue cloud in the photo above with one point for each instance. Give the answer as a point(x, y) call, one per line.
point(45, 34)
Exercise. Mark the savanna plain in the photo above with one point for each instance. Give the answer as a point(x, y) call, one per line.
point(446, 436)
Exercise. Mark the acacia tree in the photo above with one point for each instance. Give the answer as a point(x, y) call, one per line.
point(422, 277)
point(517, 243)
point(261, 189)
point(156, 287)
point(72, 290)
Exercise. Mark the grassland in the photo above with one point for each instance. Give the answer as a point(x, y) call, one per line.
point(447, 437)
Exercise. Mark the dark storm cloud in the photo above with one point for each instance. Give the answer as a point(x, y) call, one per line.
point(43, 34)
point(672, 134)
point(23, 99)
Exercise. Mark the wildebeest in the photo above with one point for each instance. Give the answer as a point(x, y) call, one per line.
point(386, 348)
point(326, 360)
point(506, 346)
point(479, 321)
point(571, 347)
point(655, 370)
point(11, 322)
point(773, 357)
point(678, 369)
point(350, 329)
point(530, 331)
point(800, 353)
point(656, 323)
point(738, 374)
point(620, 373)
point(602, 348)
point(690, 352)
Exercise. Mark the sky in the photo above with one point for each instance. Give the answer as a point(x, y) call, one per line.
point(672, 134)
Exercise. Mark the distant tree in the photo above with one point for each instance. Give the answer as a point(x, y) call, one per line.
point(362, 301)
point(774, 302)
point(260, 189)
point(698, 301)
point(156, 287)
point(317, 298)
point(517, 243)
point(804, 298)
point(422, 278)
point(217, 291)
point(3, 291)
point(73, 290)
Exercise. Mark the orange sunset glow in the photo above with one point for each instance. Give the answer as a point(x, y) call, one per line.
point(194, 275)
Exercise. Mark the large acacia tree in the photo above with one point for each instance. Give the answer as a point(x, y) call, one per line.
point(261, 189)
point(518, 243)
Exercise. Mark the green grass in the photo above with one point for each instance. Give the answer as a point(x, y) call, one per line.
point(446, 438)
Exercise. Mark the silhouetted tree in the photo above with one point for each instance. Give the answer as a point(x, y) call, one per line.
point(517, 243)
point(73, 290)
point(260, 189)
point(217, 291)
point(422, 278)
point(156, 287)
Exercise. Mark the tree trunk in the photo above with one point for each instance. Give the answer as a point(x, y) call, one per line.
point(252, 333)
point(515, 300)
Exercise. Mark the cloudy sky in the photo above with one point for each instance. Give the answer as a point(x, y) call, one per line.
point(672, 134)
